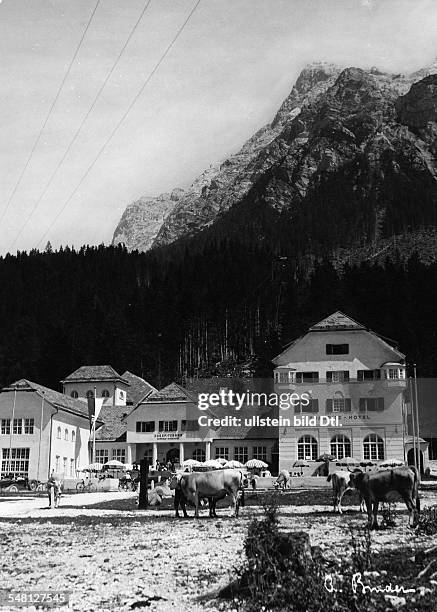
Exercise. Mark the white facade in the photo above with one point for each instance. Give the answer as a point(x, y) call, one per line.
point(41, 431)
point(355, 381)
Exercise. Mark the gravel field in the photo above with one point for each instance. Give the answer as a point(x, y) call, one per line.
point(111, 556)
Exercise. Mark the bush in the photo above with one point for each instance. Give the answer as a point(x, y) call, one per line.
point(428, 520)
point(280, 572)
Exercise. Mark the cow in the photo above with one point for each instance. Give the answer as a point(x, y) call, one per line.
point(376, 487)
point(215, 485)
point(283, 480)
point(180, 500)
point(341, 482)
point(54, 490)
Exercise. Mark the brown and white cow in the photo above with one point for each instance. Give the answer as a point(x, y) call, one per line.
point(54, 490)
point(341, 482)
point(213, 485)
point(380, 485)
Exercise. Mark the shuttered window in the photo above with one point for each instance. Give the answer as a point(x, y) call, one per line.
point(313, 406)
point(371, 404)
point(337, 376)
point(339, 404)
point(168, 425)
point(307, 377)
point(368, 375)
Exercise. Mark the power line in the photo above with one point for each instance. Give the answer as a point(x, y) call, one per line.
point(58, 93)
point(78, 130)
point(125, 114)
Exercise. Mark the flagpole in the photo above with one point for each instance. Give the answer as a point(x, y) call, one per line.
point(94, 426)
point(11, 432)
point(40, 435)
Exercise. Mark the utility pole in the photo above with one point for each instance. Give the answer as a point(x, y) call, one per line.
point(413, 420)
point(416, 415)
point(143, 500)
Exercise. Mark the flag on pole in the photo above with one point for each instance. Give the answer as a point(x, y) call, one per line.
point(94, 407)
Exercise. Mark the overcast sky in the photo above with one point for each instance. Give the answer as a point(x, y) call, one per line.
point(227, 74)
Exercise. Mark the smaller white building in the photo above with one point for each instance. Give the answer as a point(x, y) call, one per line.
point(42, 430)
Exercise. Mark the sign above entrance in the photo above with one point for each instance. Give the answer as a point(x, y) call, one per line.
point(167, 435)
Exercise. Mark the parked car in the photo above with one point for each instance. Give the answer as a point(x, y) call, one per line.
point(13, 484)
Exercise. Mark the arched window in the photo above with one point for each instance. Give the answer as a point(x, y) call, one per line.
point(74, 394)
point(340, 447)
point(105, 393)
point(66, 434)
point(73, 436)
point(373, 447)
point(199, 454)
point(90, 393)
point(307, 448)
point(59, 433)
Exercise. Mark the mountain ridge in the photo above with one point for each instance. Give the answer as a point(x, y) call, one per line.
point(332, 119)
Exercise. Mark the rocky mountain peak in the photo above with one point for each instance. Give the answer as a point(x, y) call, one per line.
point(334, 120)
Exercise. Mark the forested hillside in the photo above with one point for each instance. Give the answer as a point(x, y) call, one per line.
point(223, 305)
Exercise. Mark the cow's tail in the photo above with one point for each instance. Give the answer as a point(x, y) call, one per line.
point(329, 478)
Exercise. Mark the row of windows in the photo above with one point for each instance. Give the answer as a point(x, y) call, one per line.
point(241, 453)
point(373, 447)
point(68, 467)
point(118, 454)
point(149, 426)
point(19, 426)
point(343, 404)
point(16, 461)
point(338, 376)
point(67, 435)
point(258, 452)
point(90, 393)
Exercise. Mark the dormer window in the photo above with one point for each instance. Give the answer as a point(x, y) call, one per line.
point(74, 394)
point(105, 393)
point(337, 349)
point(89, 394)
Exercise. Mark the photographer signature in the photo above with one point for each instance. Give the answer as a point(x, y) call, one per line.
point(359, 587)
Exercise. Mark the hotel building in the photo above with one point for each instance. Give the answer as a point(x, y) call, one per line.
point(351, 375)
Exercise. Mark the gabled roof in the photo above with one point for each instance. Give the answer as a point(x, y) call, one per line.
point(58, 400)
point(171, 393)
point(139, 388)
point(95, 373)
point(336, 321)
point(114, 423)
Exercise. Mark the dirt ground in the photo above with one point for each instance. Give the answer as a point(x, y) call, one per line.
point(111, 556)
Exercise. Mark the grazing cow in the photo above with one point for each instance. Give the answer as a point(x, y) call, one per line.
point(54, 490)
point(283, 480)
point(216, 485)
point(377, 486)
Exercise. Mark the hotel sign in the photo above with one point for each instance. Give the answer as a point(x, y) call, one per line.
point(167, 435)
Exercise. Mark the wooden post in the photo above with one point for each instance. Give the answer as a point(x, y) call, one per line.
point(143, 500)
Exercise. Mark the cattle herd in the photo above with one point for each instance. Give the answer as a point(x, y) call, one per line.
point(374, 487)
point(380, 485)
